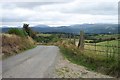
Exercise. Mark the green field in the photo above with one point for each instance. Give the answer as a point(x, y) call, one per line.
point(103, 49)
point(110, 43)
point(44, 35)
point(104, 36)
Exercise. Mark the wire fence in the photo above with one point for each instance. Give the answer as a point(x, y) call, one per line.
point(102, 48)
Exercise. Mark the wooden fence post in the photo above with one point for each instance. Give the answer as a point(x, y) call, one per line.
point(81, 41)
point(70, 37)
point(74, 40)
point(107, 51)
point(95, 47)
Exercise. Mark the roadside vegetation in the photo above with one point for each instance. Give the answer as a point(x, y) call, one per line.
point(13, 44)
point(15, 41)
point(18, 32)
point(46, 38)
point(102, 62)
point(91, 60)
point(106, 62)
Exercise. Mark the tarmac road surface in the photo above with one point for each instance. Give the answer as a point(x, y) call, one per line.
point(34, 63)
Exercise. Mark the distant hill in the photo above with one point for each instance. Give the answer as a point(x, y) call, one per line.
point(42, 26)
point(88, 28)
point(96, 28)
point(5, 29)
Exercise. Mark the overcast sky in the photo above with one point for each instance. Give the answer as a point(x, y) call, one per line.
point(58, 12)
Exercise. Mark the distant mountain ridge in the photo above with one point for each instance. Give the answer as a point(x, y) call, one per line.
point(42, 26)
point(88, 28)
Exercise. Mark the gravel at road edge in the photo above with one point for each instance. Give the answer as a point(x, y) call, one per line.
point(66, 69)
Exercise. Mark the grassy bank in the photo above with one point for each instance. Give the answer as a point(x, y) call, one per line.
point(13, 44)
point(90, 60)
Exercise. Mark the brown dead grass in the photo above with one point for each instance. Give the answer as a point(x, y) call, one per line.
point(12, 44)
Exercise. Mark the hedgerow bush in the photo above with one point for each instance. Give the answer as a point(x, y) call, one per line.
point(19, 32)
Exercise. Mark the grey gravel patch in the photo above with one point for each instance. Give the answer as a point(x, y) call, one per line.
point(66, 69)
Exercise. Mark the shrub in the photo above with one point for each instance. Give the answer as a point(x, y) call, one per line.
point(29, 31)
point(18, 32)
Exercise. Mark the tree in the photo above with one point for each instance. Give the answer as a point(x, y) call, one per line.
point(27, 29)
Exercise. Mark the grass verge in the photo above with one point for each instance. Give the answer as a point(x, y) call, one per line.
point(105, 66)
point(13, 44)
point(6, 56)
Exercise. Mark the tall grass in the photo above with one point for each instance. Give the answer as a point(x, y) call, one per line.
point(13, 44)
point(92, 60)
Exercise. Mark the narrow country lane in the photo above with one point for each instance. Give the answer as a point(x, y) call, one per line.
point(33, 63)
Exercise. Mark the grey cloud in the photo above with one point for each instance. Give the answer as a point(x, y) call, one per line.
point(14, 19)
point(30, 5)
point(90, 8)
point(36, 0)
point(32, 19)
point(94, 9)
